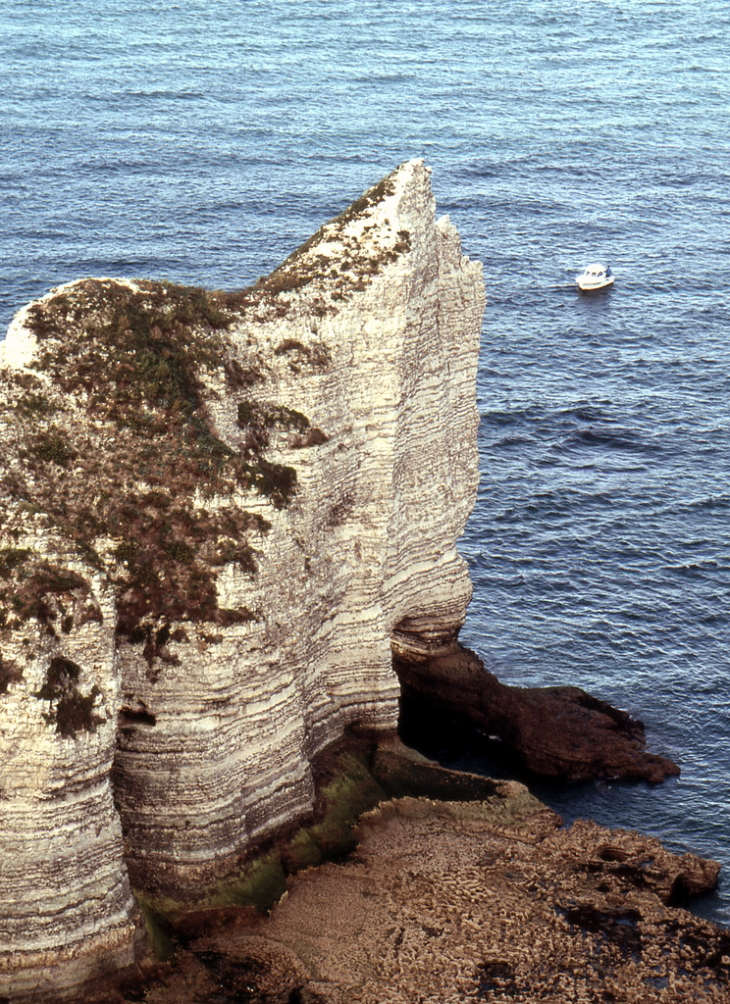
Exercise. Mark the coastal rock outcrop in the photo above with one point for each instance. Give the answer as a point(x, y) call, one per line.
point(216, 510)
point(560, 732)
point(221, 517)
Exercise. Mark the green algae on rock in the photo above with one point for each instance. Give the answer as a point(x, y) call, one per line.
point(452, 900)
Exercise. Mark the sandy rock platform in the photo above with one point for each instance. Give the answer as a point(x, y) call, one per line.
point(447, 902)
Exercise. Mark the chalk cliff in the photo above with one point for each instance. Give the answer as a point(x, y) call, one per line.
point(218, 511)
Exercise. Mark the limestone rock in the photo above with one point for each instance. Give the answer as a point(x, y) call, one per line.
point(216, 509)
point(67, 911)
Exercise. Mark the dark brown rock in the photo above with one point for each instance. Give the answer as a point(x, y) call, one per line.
point(554, 731)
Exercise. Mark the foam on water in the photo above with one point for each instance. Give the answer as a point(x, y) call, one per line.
point(202, 141)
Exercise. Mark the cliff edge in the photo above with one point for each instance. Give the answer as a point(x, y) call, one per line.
point(217, 512)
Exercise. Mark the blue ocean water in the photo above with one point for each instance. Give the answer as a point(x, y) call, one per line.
point(201, 141)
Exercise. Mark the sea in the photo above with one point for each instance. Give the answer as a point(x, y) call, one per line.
point(202, 140)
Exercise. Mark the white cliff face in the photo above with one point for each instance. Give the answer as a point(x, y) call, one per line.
point(67, 911)
point(368, 546)
point(355, 365)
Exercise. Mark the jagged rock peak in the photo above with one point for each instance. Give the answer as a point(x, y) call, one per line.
point(217, 512)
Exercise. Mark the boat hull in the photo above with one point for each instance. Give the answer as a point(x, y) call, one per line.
point(591, 287)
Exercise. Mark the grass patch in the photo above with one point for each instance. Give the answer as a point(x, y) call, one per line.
point(34, 588)
point(52, 447)
point(9, 673)
point(11, 558)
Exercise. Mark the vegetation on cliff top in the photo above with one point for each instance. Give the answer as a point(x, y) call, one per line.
point(113, 450)
point(336, 264)
point(132, 483)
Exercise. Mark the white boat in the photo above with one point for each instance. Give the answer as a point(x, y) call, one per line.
point(595, 277)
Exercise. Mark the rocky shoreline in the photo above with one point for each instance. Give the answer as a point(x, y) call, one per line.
point(558, 732)
point(478, 894)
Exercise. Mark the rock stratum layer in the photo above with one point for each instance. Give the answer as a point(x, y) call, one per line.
point(216, 511)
